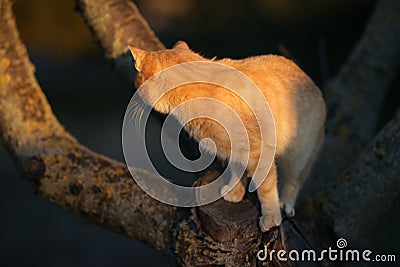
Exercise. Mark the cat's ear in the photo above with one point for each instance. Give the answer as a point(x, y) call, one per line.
point(181, 45)
point(138, 55)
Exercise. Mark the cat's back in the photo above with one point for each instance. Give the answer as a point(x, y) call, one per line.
point(271, 68)
point(278, 78)
point(293, 97)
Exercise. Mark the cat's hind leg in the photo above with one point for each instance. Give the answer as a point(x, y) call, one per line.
point(295, 167)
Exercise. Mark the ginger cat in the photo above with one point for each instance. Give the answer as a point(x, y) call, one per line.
point(296, 104)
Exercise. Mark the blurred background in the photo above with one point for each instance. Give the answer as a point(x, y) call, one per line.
point(90, 99)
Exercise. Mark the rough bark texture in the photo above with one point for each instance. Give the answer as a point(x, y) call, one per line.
point(62, 170)
point(118, 23)
point(355, 96)
point(115, 24)
point(354, 99)
point(368, 192)
point(102, 190)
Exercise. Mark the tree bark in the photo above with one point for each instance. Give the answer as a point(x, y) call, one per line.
point(355, 96)
point(349, 184)
point(62, 170)
point(116, 24)
point(368, 193)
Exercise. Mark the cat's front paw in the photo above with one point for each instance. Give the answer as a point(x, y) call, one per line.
point(270, 220)
point(235, 195)
point(288, 209)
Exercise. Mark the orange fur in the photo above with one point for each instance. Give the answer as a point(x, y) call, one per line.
point(296, 104)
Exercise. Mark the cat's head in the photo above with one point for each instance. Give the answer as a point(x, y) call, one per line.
point(148, 64)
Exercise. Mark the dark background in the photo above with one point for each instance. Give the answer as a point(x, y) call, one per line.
point(89, 98)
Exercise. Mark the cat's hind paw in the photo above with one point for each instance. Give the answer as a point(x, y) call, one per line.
point(288, 209)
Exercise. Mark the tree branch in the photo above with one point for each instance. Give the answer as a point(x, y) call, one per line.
point(116, 24)
point(368, 192)
point(62, 170)
point(352, 204)
point(355, 96)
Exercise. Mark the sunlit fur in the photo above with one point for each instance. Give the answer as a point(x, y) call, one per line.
point(296, 104)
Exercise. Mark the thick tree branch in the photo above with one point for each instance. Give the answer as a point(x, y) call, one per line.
point(364, 194)
point(368, 192)
point(116, 24)
point(359, 202)
point(62, 170)
point(355, 96)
